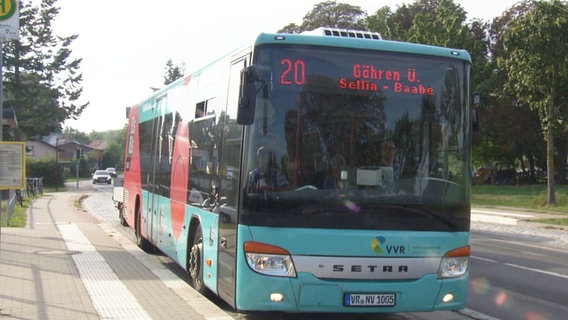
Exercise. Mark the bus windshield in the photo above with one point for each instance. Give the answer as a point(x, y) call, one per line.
point(351, 139)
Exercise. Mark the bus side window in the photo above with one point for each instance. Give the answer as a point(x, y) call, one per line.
point(201, 109)
point(202, 176)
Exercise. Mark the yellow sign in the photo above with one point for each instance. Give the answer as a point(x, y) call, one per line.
point(7, 9)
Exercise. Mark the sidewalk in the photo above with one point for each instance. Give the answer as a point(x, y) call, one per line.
point(64, 265)
point(515, 216)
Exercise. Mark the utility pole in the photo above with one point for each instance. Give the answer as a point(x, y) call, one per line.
point(9, 30)
point(55, 178)
point(79, 152)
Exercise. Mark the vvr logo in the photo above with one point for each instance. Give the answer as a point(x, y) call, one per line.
point(376, 244)
point(379, 247)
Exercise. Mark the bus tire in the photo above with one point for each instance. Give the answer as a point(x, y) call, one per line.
point(195, 262)
point(141, 242)
point(121, 215)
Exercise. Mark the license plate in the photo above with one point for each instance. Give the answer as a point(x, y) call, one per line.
point(369, 299)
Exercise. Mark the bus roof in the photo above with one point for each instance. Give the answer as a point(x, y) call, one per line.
point(371, 41)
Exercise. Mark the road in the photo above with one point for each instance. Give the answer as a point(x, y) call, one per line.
point(518, 276)
point(517, 272)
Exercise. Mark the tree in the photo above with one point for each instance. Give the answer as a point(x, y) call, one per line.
point(330, 14)
point(290, 28)
point(505, 139)
point(392, 25)
point(438, 23)
point(535, 60)
point(506, 142)
point(76, 135)
point(173, 72)
point(41, 79)
point(433, 22)
point(112, 156)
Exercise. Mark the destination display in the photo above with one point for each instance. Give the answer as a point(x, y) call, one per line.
point(361, 77)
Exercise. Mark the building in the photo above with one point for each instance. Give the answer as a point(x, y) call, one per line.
point(55, 146)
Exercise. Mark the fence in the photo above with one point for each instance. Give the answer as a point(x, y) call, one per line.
point(34, 187)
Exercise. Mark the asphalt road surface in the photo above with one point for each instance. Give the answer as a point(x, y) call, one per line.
point(518, 276)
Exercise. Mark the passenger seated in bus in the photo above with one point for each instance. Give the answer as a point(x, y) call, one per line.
point(265, 177)
point(333, 179)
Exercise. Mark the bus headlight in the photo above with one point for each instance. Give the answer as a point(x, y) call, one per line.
point(454, 263)
point(269, 260)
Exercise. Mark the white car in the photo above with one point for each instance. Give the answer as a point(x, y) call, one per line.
point(112, 171)
point(102, 176)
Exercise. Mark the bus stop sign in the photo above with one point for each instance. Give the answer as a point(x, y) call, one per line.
point(9, 20)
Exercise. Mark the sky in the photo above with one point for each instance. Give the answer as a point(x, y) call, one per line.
point(124, 45)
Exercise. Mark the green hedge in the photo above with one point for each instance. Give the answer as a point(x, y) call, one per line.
point(45, 168)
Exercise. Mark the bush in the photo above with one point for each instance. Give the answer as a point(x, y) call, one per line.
point(45, 168)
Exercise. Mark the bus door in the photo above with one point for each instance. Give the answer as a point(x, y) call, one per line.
point(157, 185)
point(230, 168)
point(151, 205)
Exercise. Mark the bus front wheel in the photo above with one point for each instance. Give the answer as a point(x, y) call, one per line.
point(195, 262)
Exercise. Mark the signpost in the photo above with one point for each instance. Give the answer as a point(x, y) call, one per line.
point(9, 30)
point(13, 168)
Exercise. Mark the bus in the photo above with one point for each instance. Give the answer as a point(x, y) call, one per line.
point(327, 171)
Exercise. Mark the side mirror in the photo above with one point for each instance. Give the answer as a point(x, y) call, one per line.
point(247, 96)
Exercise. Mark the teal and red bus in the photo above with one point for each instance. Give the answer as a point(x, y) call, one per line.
point(324, 172)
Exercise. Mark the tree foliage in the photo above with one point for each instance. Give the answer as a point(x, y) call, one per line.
point(115, 144)
point(76, 135)
point(440, 23)
point(173, 72)
point(506, 141)
point(535, 60)
point(433, 22)
point(112, 156)
point(42, 81)
point(330, 14)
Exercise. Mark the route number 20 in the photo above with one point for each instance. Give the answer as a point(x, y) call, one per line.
point(294, 72)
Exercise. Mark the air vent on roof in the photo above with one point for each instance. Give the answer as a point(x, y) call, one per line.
point(345, 33)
